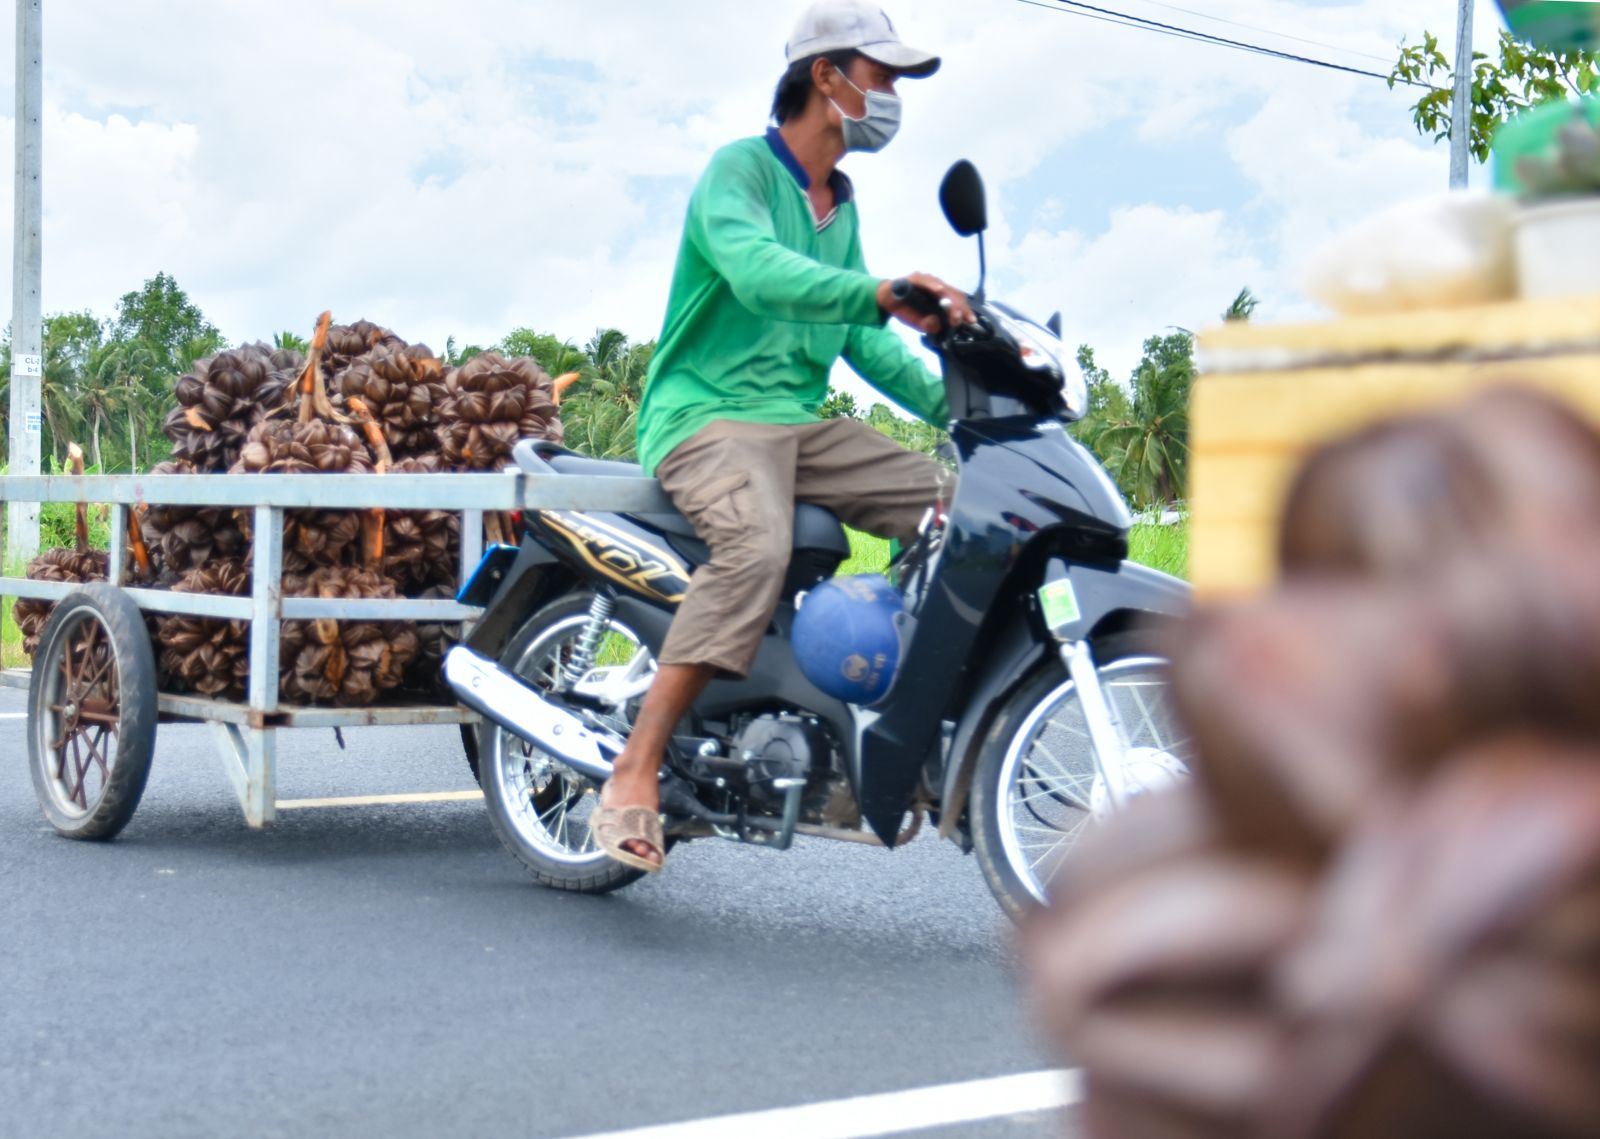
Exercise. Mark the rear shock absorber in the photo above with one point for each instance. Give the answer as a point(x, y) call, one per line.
point(582, 660)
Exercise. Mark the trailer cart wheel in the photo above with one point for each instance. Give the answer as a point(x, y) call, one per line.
point(92, 713)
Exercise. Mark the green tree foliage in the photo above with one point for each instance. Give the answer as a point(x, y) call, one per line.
point(913, 434)
point(162, 317)
point(1243, 307)
point(601, 411)
point(556, 356)
point(107, 384)
point(1108, 402)
point(1522, 77)
point(1141, 431)
point(454, 357)
point(1147, 450)
point(839, 405)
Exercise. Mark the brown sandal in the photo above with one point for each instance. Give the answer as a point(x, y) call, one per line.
point(613, 826)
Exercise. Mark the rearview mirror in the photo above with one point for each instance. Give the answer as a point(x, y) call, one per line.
point(962, 198)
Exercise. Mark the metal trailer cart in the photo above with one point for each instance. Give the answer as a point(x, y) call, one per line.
point(93, 697)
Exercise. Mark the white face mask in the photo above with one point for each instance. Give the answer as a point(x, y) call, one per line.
point(873, 130)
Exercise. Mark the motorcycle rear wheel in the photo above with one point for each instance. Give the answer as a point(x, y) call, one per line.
point(1034, 784)
point(538, 805)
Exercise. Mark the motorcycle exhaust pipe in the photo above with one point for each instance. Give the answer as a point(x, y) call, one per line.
point(501, 698)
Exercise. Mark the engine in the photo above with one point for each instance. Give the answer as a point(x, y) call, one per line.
point(765, 748)
point(780, 746)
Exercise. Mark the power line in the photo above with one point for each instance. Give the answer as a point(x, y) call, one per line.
point(1198, 37)
point(1110, 15)
point(1266, 31)
point(1076, 7)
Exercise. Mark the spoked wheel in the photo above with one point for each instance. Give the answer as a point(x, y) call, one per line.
point(92, 713)
point(540, 807)
point(1036, 792)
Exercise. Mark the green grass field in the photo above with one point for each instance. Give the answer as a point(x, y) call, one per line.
point(1165, 548)
point(11, 655)
point(867, 555)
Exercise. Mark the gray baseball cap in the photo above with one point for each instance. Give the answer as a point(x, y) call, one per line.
point(836, 25)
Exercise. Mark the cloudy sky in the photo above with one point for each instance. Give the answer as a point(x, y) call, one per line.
point(465, 169)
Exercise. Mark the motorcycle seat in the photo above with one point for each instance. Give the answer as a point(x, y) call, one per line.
point(815, 528)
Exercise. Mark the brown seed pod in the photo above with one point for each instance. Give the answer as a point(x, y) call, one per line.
point(348, 342)
point(1386, 925)
point(422, 548)
point(1445, 986)
point(491, 403)
point(1510, 467)
point(282, 445)
point(348, 663)
point(222, 399)
point(203, 654)
point(402, 391)
point(182, 538)
point(434, 639)
point(73, 567)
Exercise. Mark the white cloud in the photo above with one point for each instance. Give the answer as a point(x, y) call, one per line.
point(511, 162)
point(1180, 264)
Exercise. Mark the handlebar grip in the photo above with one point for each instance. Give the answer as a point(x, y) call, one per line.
point(915, 297)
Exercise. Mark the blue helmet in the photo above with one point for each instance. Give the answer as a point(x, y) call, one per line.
point(848, 637)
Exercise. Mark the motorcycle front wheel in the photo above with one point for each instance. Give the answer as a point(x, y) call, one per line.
point(1034, 788)
point(539, 806)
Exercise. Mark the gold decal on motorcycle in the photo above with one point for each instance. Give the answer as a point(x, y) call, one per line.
point(620, 556)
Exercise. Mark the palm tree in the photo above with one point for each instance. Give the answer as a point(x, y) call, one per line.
point(59, 399)
point(1147, 448)
point(601, 413)
point(1108, 406)
point(98, 393)
point(554, 355)
point(1243, 306)
point(117, 385)
point(565, 357)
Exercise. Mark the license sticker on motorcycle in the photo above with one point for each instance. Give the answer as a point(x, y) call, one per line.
point(1060, 603)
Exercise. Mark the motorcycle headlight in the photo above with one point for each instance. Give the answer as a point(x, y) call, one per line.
point(1042, 352)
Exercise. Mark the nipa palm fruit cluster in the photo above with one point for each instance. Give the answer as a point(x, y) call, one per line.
point(363, 401)
point(490, 403)
point(219, 402)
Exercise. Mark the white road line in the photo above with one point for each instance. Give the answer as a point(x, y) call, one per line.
point(893, 1113)
point(13, 715)
point(380, 800)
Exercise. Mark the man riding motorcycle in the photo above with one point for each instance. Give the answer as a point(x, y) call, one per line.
point(769, 290)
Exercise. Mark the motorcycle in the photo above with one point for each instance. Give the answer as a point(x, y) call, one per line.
point(1031, 695)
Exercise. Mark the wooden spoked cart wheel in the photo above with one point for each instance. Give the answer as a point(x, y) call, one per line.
point(92, 713)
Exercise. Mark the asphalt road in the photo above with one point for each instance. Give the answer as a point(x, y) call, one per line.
point(391, 971)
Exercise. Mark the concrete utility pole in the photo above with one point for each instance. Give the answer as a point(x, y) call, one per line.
point(27, 340)
point(1461, 107)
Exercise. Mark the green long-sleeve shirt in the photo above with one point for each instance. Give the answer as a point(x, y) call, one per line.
point(765, 298)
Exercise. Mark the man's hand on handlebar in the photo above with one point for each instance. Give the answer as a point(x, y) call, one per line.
point(929, 306)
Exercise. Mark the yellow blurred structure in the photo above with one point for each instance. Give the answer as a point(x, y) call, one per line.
point(1268, 394)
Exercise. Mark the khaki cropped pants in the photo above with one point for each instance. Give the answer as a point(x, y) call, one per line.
point(738, 484)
